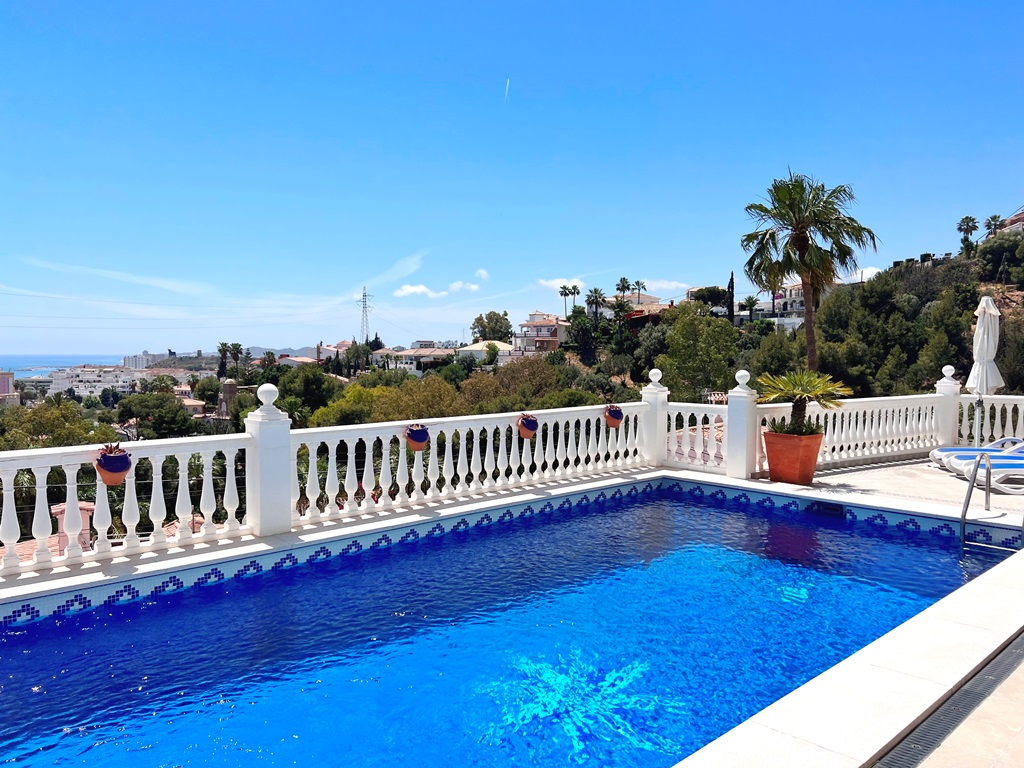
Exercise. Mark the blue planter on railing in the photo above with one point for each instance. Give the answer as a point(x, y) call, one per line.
point(613, 416)
point(528, 426)
point(417, 436)
point(113, 467)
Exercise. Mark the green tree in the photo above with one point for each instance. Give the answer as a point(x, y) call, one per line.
point(712, 295)
point(700, 354)
point(992, 224)
point(223, 349)
point(595, 300)
point(638, 285)
point(50, 424)
point(492, 327)
point(310, 385)
point(235, 351)
point(805, 232)
point(208, 390)
point(565, 291)
point(492, 354)
point(1003, 252)
point(163, 383)
point(574, 291)
point(749, 304)
point(968, 225)
point(268, 359)
point(159, 414)
point(354, 407)
point(623, 287)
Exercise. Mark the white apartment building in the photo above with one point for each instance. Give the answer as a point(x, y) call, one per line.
point(92, 379)
point(146, 359)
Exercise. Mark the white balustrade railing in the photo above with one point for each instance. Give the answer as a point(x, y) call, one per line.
point(343, 471)
point(199, 476)
point(998, 416)
point(696, 437)
point(298, 477)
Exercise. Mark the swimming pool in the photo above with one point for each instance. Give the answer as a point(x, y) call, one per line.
point(627, 634)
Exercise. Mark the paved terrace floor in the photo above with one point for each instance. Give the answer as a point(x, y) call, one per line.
point(992, 736)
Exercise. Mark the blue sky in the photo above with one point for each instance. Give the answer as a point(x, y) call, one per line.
point(178, 174)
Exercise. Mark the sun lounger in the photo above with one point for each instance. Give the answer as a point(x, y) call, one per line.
point(1004, 445)
point(1007, 473)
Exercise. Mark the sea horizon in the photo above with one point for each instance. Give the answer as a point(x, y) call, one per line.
point(25, 366)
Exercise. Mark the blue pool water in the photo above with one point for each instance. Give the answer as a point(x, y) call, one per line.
point(627, 636)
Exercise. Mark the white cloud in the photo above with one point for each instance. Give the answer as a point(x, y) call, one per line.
point(666, 285)
point(556, 283)
point(401, 268)
point(458, 285)
point(163, 283)
point(483, 274)
point(422, 290)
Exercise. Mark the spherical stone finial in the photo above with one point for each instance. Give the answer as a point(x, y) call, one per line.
point(655, 375)
point(267, 393)
point(742, 377)
point(948, 371)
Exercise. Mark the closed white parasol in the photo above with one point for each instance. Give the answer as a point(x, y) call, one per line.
point(985, 377)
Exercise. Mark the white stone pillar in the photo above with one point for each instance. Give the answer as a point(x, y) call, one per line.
point(741, 429)
point(655, 429)
point(948, 412)
point(267, 464)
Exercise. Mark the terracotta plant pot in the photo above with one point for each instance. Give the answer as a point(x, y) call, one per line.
point(113, 468)
point(613, 416)
point(792, 458)
point(417, 436)
point(528, 426)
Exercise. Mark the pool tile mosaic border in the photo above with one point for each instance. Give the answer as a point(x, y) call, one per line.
point(17, 613)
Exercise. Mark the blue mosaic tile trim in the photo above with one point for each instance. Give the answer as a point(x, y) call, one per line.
point(879, 522)
point(22, 615)
point(125, 594)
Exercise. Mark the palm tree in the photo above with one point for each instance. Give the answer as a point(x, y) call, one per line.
point(992, 224)
point(235, 350)
point(268, 360)
point(193, 381)
point(223, 349)
point(750, 304)
point(623, 286)
point(574, 291)
point(638, 285)
point(968, 225)
point(565, 292)
point(620, 311)
point(807, 234)
point(595, 300)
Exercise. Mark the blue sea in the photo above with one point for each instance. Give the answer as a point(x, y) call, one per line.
point(43, 365)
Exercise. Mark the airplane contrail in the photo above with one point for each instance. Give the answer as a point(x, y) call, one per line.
point(507, 81)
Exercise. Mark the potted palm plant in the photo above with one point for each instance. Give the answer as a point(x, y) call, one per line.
point(792, 446)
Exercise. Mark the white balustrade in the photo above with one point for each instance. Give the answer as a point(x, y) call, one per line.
point(28, 530)
point(465, 456)
point(696, 436)
point(998, 416)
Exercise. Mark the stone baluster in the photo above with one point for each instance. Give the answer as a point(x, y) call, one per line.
point(417, 474)
point(475, 465)
point(447, 465)
point(515, 461)
point(183, 502)
point(602, 442)
point(72, 514)
point(369, 481)
point(433, 473)
point(386, 478)
point(207, 498)
point(42, 528)
point(549, 449)
point(230, 501)
point(462, 464)
point(502, 463)
point(489, 460)
point(312, 481)
point(331, 485)
point(101, 518)
point(543, 430)
point(157, 505)
point(10, 531)
point(293, 487)
point(629, 438)
point(560, 452)
point(402, 472)
point(351, 478)
point(131, 515)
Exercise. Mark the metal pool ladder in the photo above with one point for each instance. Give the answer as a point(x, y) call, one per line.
point(988, 500)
